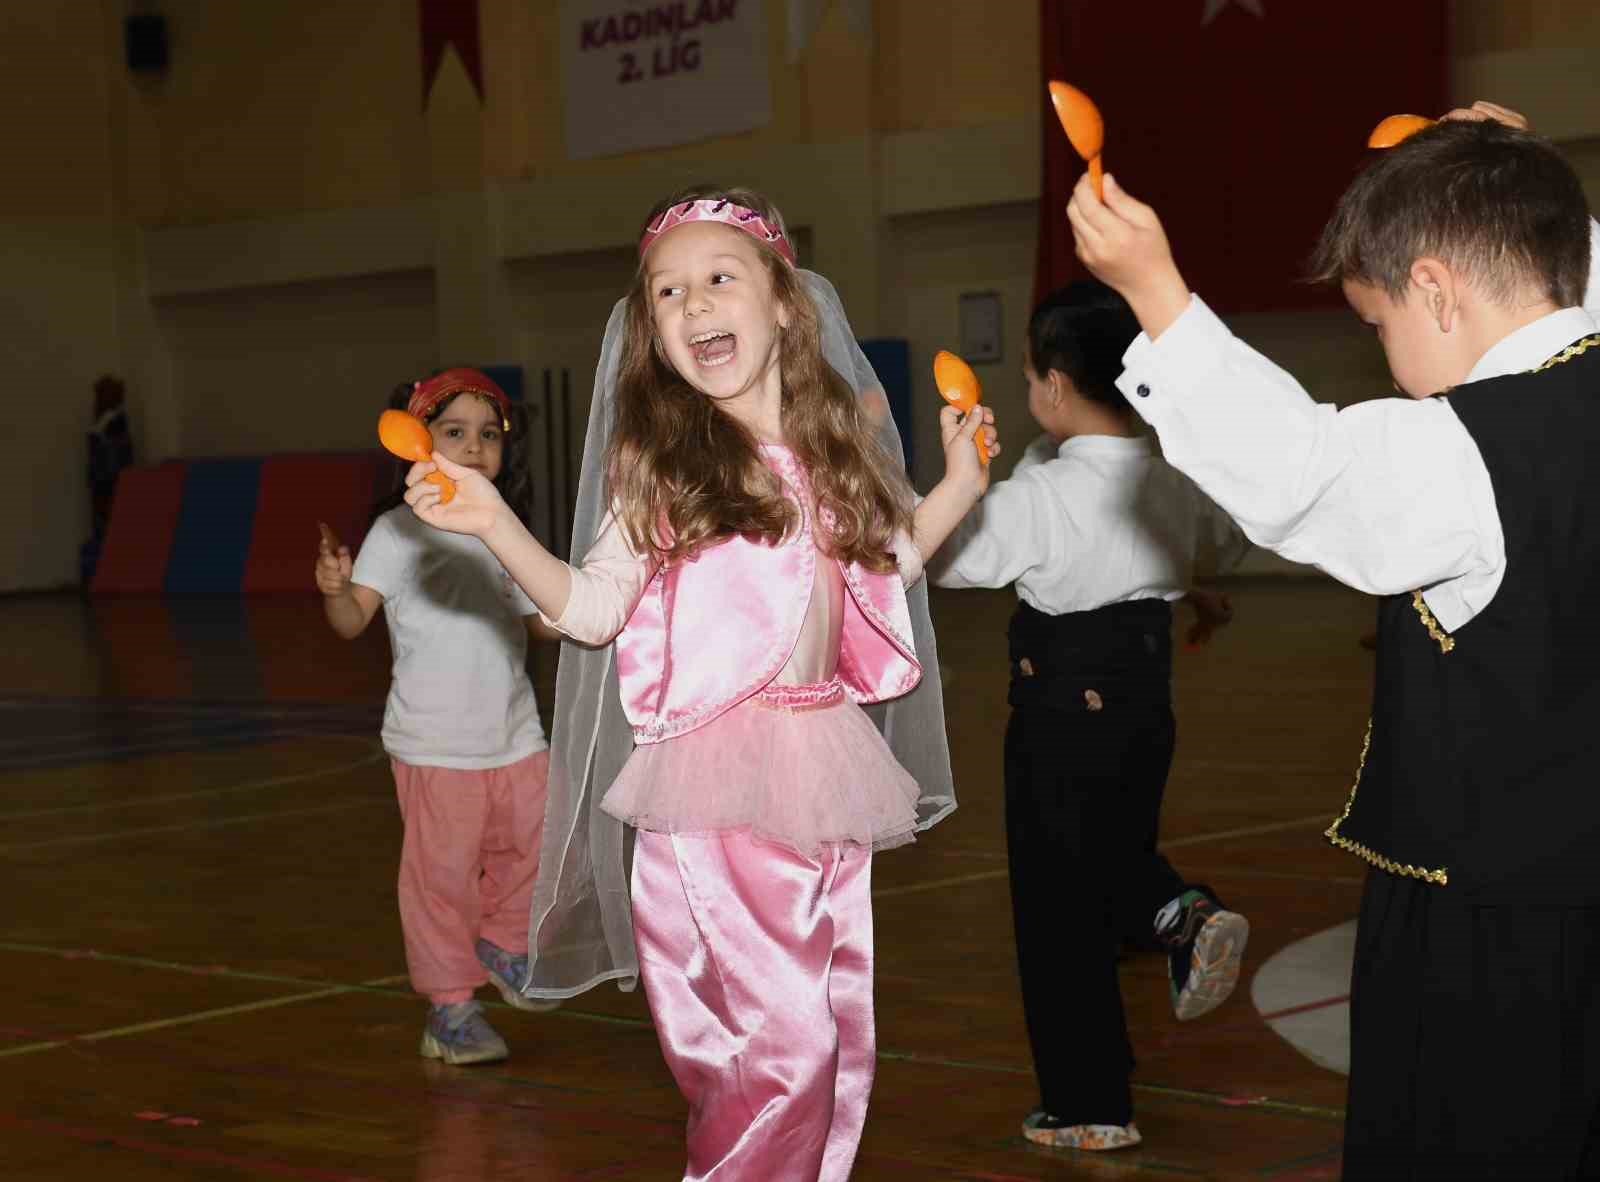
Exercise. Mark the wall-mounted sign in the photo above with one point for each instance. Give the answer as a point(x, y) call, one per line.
point(981, 326)
point(650, 75)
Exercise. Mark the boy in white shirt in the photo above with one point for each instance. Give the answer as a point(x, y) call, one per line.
point(1475, 1017)
point(1100, 537)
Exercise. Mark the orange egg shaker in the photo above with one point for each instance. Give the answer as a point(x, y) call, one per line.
point(1395, 128)
point(408, 437)
point(958, 386)
point(1081, 120)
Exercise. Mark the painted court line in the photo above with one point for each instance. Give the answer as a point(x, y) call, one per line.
point(1285, 1107)
point(239, 708)
point(249, 1007)
point(385, 985)
point(87, 838)
point(1197, 839)
point(1200, 872)
point(59, 738)
point(1323, 819)
point(1341, 999)
point(195, 743)
point(193, 1156)
point(374, 754)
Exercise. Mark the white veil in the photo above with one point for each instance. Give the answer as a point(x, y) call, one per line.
point(580, 929)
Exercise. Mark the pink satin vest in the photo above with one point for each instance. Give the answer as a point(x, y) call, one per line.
point(709, 632)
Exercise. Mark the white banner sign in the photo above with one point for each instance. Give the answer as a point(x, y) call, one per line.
point(649, 75)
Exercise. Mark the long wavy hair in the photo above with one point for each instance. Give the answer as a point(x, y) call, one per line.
point(684, 473)
point(515, 481)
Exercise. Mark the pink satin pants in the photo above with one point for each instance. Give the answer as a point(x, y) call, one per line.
point(757, 964)
point(467, 867)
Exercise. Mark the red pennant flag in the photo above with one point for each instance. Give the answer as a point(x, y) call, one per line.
point(445, 23)
point(1240, 121)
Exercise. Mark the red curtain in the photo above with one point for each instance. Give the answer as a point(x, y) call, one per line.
point(1240, 121)
point(443, 23)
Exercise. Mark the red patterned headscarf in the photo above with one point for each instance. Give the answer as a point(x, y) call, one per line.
point(426, 396)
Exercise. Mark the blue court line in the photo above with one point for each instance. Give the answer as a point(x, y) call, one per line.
point(374, 754)
point(110, 729)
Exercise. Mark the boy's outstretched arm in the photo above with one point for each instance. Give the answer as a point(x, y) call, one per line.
point(1388, 496)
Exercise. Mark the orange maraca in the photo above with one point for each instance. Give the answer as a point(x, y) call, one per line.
point(1081, 120)
point(408, 437)
point(1396, 128)
point(958, 386)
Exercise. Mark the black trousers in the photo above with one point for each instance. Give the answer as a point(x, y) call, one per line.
point(1083, 797)
point(1474, 1039)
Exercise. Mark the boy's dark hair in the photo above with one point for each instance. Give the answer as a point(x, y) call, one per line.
point(1083, 329)
point(515, 481)
point(1500, 206)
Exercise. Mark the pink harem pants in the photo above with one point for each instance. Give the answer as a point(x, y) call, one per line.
point(757, 964)
point(467, 867)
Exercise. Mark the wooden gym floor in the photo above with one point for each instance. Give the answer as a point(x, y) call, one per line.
point(203, 967)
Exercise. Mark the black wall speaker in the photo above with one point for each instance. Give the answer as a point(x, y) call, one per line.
point(144, 39)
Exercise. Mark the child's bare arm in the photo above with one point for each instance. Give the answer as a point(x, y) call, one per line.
point(349, 606)
point(477, 508)
point(965, 479)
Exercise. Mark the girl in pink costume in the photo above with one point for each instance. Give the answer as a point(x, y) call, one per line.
point(750, 541)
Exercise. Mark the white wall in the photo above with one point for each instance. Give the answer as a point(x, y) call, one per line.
point(295, 367)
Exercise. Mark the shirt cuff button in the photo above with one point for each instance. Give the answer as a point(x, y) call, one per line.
point(1142, 390)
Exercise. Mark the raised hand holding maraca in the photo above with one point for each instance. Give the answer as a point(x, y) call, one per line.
point(1085, 128)
point(473, 507)
point(964, 418)
point(958, 386)
point(1122, 242)
point(407, 436)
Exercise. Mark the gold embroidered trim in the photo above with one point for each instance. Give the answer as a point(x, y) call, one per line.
point(1568, 353)
point(1435, 877)
point(1447, 643)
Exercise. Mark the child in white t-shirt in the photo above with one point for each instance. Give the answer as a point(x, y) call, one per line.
point(461, 726)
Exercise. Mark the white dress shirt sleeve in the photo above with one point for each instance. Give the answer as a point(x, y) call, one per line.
point(606, 588)
point(1223, 545)
point(1003, 537)
point(1387, 496)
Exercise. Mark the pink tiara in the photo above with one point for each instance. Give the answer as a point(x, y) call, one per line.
point(718, 210)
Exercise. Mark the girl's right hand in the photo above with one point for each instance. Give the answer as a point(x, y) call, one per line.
point(959, 433)
point(473, 510)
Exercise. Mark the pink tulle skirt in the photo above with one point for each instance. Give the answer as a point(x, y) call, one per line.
point(798, 765)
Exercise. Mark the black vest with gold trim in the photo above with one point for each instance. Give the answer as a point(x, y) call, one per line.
point(1481, 771)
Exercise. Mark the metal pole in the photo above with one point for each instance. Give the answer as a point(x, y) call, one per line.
point(550, 465)
point(566, 461)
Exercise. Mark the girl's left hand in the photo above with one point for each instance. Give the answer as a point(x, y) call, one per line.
point(960, 453)
point(473, 510)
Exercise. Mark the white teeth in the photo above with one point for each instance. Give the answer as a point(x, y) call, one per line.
point(701, 337)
